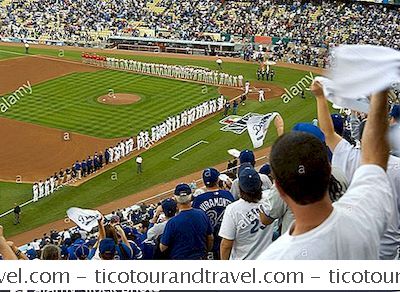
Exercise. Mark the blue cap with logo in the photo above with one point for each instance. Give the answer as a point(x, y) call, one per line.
point(210, 176)
point(247, 156)
point(82, 252)
point(182, 190)
point(249, 180)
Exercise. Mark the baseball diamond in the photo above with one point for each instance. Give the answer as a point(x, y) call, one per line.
point(199, 130)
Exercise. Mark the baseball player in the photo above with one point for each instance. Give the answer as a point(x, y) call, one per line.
point(52, 184)
point(247, 87)
point(41, 189)
point(111, 154)
point(261, 95)
point(219, 63)
point(240, 79)
point(35, 191)
point(184, 117)
point(47, 187)
point(123, 150)
point(221, 102)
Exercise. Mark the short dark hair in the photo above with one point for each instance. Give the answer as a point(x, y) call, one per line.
point(301, 167)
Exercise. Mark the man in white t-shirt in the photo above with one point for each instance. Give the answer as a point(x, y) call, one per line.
point(348, 158)
point(139, 161)
point(244, 235)
point(349, 229)
point(169, 208)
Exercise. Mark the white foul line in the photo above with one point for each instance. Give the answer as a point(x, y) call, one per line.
point(187, 149)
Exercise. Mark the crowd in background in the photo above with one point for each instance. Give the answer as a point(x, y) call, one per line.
point(311, 27)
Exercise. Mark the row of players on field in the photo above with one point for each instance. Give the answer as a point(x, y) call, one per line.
point(164, 70)
point(124, 148)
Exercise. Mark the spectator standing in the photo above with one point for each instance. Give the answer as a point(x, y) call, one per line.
point(188, 235)
point(139, 162)
point(244, 235)
point(17, 214)
point(213, 202)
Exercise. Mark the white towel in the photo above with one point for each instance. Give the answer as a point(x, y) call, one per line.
point(361, 70)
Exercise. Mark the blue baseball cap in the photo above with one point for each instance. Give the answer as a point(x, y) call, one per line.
point(245, 165)
point(395, 112)
point(265, 169)
point(210, 176)
point(337, 123)
point(310, 129)
point(169, 207)
point(182, 190)
point(82, 252)
point(249, 180)
point(107, 246)
point(247, 156)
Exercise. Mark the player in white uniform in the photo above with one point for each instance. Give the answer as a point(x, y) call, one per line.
point(52, 184)
point(47, 187)
point(35, 191)
point(240, 79)
point(247, 87)
point(261, 95)
point(122, 147)
point(41, 189)
point(111, 153)
point(244, 236)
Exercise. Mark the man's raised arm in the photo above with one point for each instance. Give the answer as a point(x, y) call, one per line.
point(324, 118)
point(375, 145)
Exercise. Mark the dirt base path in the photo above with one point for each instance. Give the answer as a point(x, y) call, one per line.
point(34, 152)
point(152, 195)
point(271, 90)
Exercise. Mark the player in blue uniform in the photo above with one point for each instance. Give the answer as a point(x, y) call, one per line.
point(213, 202)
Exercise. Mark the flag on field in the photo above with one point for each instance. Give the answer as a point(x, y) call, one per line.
point(257, 126)
point(84, 218)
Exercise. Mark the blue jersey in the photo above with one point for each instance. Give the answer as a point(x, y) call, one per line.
point(186, 235)
point(214, 204)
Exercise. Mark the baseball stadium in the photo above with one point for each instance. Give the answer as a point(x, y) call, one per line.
point(135, 114)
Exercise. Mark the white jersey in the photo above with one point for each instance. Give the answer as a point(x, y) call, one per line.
point(348, 159)
point(41, 189)
point(241, 223)
point(35, 191)
point(47, 188)
point(353, 230)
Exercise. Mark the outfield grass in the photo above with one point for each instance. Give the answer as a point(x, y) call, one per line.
point(158, 165)
point(70, 102)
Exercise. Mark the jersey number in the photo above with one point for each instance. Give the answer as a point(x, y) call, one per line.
point(256, 226)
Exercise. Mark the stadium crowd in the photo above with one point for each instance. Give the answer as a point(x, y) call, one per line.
point(310, 27)
point(294, 207)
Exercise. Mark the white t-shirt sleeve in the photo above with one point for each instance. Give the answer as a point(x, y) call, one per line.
point(369, 197)
point(228, 226)
point(277, 205)
point(346, 158)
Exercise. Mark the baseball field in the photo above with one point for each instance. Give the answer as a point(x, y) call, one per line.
point(61, 98)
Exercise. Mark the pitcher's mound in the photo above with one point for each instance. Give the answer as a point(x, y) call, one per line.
point(119, 98)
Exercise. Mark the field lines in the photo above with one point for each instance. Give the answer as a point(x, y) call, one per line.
point(175, 157)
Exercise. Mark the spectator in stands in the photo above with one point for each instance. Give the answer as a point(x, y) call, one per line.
point(51, 252)
point(395, 126)
point(348, 159)
point(247, 158)
point(323, 230)
point(213, 202)
point(244, 235)
point(168, 207)
point(188, 235)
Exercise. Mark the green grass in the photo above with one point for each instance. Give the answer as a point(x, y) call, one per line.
point(13, 193)
point(158, 165)
point(70, 102)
